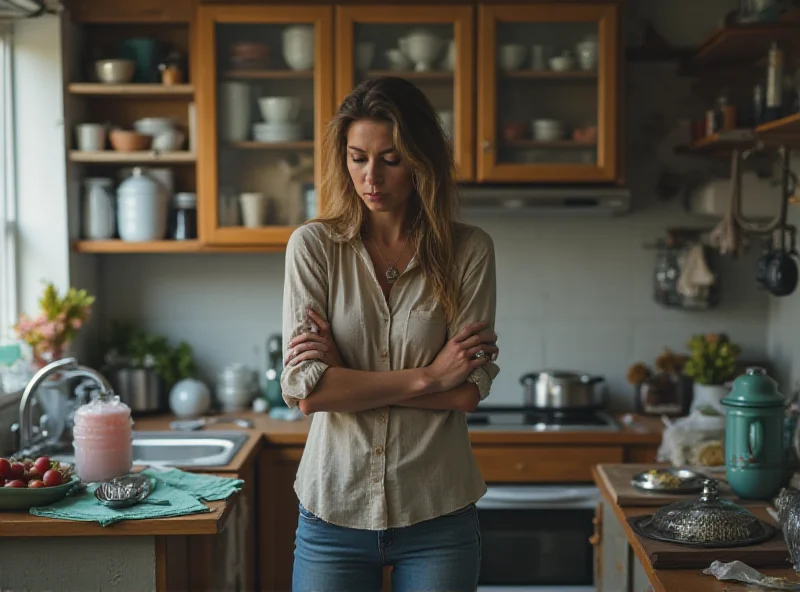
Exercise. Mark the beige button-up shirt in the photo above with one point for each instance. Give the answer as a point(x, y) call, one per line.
point(392, 466)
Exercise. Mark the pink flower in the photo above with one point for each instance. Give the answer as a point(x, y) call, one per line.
point(49, 330)
point(76, 323)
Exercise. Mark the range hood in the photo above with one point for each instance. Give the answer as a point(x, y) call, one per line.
point(519, 200)
point(12, 10)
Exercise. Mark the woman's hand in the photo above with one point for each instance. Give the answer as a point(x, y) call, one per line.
point(458, 357)
point(316, 343)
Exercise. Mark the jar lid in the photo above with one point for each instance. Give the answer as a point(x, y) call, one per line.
point(708, 521)
point(754, 388)
point(185, 199)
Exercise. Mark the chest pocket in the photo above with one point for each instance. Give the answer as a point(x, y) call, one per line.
point(426, 332)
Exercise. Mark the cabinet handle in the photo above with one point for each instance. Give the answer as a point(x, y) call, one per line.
point(519, 466)
point(487, 146)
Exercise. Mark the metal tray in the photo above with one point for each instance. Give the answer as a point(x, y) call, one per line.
point(643, 525)
point(690, 481)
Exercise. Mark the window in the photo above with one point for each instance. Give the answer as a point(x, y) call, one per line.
point(8, 235)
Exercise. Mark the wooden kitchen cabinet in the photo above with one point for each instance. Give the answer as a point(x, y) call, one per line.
point(248, 54)
point(277, 516)
point(546, 111)
point(369, 41)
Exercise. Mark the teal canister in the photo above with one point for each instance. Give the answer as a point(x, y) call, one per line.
point(754, 448)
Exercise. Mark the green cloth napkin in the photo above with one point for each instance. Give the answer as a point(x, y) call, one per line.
point(208, 488)
point(163, 502)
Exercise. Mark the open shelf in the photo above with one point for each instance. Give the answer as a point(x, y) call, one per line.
point(789, 125)
point(725, 140)
point(297, 145)
point(116, 246)
point(113, 156)
point(268, 74)
point(412, 74)
point(550, 75)
point(738, 45)
point(138, 90)
point(551, 145)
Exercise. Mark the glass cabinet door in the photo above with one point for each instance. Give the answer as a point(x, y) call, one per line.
point(266, 90)
point(547, 90)
point(431, 46)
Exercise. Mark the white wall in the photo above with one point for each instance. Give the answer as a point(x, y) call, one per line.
point(41, 158)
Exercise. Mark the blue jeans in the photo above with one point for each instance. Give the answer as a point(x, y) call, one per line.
point(438, 555)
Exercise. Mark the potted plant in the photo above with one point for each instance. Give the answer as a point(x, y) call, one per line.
point(659, 391)
point(50, 333)
point(143, 366)
point(712, 362)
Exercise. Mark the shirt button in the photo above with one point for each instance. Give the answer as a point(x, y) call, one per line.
point(382, 418)
point(375, 479)
point(384, 353)
point(379, 450)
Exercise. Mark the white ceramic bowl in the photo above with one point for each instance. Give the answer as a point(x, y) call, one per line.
point(562, 63)
point(153, 126)
point(547, 130)
point(398, 61)
point(279, 109)
point(114, 71)
point(169, 140)
point(511, 56)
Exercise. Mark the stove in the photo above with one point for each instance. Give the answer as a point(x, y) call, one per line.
point(538, 420)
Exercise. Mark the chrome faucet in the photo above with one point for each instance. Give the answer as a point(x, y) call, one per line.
point(70, 368)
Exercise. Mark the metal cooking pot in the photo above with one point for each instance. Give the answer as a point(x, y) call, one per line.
point(559, 389)
point(139, 388)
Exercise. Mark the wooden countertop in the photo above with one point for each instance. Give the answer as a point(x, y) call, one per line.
point(676, 580)
point(22, 524)
point(644, 430)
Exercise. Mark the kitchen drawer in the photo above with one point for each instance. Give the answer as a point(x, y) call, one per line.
point(540, 464)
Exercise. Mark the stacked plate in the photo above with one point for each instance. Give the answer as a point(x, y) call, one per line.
point(283, 131)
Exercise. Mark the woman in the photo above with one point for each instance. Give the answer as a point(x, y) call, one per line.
point(388, 314)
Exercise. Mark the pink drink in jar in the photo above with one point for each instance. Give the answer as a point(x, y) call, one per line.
point(103, 439)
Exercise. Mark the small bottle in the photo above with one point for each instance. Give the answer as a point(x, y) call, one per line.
point(184, 222)
point(758, 104)
point(774, 84)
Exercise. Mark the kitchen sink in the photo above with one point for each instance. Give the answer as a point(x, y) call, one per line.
point(181, 449)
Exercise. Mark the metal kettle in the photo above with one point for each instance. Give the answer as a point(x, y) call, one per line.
point(755, 456)
point(272, 388)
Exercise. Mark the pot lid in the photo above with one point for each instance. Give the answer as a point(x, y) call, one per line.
point(707, 521)
point(754, 388)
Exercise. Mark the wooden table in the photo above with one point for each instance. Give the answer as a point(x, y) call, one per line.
point(634, 569)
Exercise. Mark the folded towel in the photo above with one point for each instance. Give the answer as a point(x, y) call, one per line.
point(207, 488)
point(163, 502)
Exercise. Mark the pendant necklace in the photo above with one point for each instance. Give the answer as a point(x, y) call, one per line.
point(391, 271)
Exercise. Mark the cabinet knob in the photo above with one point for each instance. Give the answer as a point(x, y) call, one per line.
point(487, 146)
point(519, 466)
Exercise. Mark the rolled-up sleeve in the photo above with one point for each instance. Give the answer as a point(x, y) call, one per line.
point(478, 292)
point(305, 287)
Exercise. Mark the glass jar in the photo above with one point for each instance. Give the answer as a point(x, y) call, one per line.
point(103, 439)
point(184, 217)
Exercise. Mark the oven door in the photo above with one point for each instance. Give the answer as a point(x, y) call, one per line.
point(536, 538)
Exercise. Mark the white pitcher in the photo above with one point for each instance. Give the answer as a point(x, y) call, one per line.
point(98, 208)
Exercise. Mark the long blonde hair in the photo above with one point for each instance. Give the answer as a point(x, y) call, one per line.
point(420, 140)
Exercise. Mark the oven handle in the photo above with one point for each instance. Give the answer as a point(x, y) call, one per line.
point(528, 496)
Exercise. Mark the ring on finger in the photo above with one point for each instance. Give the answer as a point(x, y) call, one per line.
point(480, 354)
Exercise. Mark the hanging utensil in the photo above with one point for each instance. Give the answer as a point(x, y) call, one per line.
point(788, 186)
point(782, 272)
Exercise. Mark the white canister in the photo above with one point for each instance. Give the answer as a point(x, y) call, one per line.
point(91, 137)
point(254, 209)
point(142, 208)
point(235, 111)
point(98, 208)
